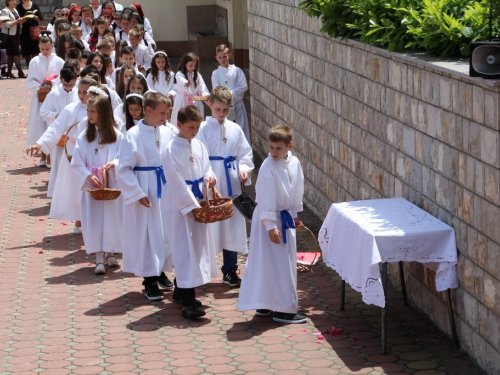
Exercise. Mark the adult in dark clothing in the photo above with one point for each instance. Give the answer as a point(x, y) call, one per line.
point(29, 48)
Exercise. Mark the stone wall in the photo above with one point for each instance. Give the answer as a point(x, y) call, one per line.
point(370, 124)
point(47, 7)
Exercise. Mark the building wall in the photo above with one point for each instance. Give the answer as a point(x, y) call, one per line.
point(370, 124)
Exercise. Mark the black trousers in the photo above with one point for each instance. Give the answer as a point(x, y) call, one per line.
point(186, 295)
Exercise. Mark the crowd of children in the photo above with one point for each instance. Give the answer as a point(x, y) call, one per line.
point(119, 118)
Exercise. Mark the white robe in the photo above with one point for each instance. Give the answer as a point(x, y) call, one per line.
point(234, 79)
point(191, 243)
point(184, 95)
point(162, 86)
point(229, 234)
point(142, 56)
point(101, 220)
point(270, 280)
point(118, 113)
point(145, 245)
point(40, 68)
point(53, 105)
point(71, 114)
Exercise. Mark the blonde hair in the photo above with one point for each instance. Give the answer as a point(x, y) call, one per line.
point(152, 99)
point(222, 48)
point(103, 44)
point(221, 94)
point(280, 133)
point(135, 32)
point(76, 29)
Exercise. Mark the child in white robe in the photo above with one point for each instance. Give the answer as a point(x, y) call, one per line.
point(187, 167)
point(66, 195)
point(231, 158)
point(142, 181)
point(136, 84)
point(270, 281)
point(161, 78)
point(51, 108)
point(42, 67)
point(95, 157)
point(189, 83)
point(234, 79)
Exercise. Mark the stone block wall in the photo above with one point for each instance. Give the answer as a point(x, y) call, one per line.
point(47, 7)
point(371, 124)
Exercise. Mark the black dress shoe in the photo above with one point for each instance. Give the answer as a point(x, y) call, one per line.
point(21, 75)
point(4, 73)
point(192, 312)
point(10, 75)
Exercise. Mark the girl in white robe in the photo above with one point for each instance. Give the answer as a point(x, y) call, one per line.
point(270, 279)
point(42, 67)
point(96, 153)
point(187, 169)
point(234, 79)
point(189, 83)
point(136, 84)
point(230, 156)
point(146, 252)
point(66, 196)
point(161, 78)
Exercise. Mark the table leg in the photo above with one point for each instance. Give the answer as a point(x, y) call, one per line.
point(403, 284)
point(342, 296)
point(452, 320)
point(384, 284)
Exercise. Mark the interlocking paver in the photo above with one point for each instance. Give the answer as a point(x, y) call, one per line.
point(57, 317)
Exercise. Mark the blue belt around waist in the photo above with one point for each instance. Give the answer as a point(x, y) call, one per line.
point(287, 222)
point(228, 163)
point(160, 176)
point(195, 188)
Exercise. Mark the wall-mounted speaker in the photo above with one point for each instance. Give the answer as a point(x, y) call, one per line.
point(484, 59)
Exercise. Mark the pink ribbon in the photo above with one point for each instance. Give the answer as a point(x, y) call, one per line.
point(189, 98)
point(96, 171)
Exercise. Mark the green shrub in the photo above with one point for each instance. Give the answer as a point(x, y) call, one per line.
point(440, 27)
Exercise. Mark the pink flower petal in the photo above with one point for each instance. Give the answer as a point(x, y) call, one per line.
point(40, 252)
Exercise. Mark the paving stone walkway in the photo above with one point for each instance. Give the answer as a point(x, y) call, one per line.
point(57, 317)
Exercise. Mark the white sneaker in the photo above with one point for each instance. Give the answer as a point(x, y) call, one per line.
point(112, 262)
point(77, 230)
point(41, 163)
point(99, 269)
point(48, 166)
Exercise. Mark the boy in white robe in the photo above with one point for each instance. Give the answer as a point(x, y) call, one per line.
point(270, 281)
point(234, 79)
point(60, 96)
point(142, 56)
point(92, 161)
point(188, 170)
point(42, 67)
point(142, 181)
point(231, 158)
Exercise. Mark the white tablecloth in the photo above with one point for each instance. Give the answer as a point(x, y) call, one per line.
point(357, 236)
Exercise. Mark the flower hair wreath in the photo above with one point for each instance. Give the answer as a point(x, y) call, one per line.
point(97, 91)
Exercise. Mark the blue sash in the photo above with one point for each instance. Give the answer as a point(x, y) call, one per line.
point(195, 188)
point(228, 163)
point(287, 222)
point(160, 176)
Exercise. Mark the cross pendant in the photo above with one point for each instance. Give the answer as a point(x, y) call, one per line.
point(224, 139)
point(96, 150)
point(191, 158)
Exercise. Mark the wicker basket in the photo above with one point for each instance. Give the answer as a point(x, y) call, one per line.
point(44, 91)
point(64, 139)
point(201, 98)
point(306, 260)
point(213, 210)
point(105, 194)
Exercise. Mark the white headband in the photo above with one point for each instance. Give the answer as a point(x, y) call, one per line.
point(134, 94)
point(160, 53)
point(97, 91)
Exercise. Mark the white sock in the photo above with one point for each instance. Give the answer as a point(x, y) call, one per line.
point(99, 257)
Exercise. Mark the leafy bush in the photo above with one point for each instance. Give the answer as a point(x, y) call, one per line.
point(440, 27)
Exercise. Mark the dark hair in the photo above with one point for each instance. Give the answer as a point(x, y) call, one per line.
point(54, 18)
point(87, 8)
point(74, 53)
point(137, 17)
point(120, 86)
point(67, 73)
point(154, 67)
point(119, 45)
point(94, 37)
point(189, 113)
point(129, 121)
point(127, 51)
point(137, 77)
point(280, 133)
point(106, 124)
point(45, 37)
point(61, 49)
point(85, 54)
point(79, 44)
point(89, 69)
point(187, 57)
point(72, 63)
point(102, 72)
point(61, 26)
